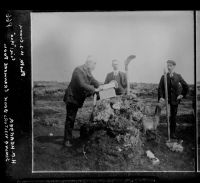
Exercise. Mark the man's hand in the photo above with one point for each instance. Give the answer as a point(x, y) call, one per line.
point(116, 84)
point(179, 97)
point(161, 100)
point(98, 89)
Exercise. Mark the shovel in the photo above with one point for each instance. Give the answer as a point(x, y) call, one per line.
point(126, 63)
point(166, 102)
point(171, 144)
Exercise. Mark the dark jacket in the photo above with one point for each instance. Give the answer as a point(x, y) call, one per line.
point(81, 86)
point(176, 86)
point(121, 80)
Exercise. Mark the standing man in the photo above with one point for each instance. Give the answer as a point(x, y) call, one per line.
point(118, 77)
point(81, 86)
point(177, 89)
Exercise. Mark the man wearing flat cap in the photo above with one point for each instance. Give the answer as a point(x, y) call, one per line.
point(82, 85)
point(177, 89)
point(118, 77)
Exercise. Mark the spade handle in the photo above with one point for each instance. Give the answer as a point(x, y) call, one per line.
point(128, 82)
point(166, 101)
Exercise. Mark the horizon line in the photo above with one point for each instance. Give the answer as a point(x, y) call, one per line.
point(198, 82)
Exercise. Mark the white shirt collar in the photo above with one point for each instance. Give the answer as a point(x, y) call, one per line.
point(115, 72)
point(171, 74)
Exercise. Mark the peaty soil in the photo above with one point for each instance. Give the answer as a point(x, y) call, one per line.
point(93, 154)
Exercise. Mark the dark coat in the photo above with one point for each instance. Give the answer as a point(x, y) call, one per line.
point(121, 80)
point(81, 86)
point(176, 86)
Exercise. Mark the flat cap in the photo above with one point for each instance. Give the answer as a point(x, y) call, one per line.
point(171, 62)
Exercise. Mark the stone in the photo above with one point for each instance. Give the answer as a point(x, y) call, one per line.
point(116, 127)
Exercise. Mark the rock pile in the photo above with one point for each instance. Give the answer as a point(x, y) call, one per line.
point(120, 121)
point(121, 114)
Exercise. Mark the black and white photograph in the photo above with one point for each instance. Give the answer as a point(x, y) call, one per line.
point(100, 96)
point(113, 91)
point(198, 86)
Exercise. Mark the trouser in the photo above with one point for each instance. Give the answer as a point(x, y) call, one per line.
point(119, 91)
point(71, 110)
point(173, 113)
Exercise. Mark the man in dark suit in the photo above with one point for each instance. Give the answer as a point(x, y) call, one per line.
point(82, 85)
point(177, 89)
point(118, 77)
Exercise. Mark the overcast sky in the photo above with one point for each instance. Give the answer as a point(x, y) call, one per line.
point(62, 41)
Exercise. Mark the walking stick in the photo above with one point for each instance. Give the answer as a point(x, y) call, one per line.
point(94, 104)
point(166, 101)
point(128, 86)
point(126, 63)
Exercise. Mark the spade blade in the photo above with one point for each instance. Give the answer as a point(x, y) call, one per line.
point(128, 60)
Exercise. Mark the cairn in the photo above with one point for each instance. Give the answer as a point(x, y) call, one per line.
point(116, 125)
